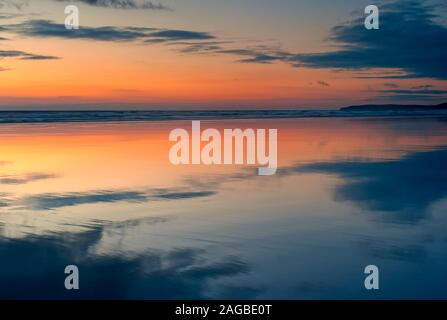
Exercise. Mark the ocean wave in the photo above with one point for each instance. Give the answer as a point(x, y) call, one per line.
point(166, 115)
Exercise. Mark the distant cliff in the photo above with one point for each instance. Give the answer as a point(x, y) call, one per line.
point(395, 107)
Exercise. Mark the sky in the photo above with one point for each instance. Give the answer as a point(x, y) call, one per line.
point(186, 54)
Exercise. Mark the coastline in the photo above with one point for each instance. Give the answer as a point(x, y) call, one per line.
point(120, 116)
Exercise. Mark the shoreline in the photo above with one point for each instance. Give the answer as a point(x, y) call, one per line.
point(18, 117)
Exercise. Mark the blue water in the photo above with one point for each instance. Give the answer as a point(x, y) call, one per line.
point(348, 193)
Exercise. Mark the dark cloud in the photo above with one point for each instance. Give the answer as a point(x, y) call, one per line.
point(38, 57)
point(184, 195)
point(46, 28)
point(177, 35)
point(391, 49)
point(24, 55)
point(122, 4)
point(409, 39)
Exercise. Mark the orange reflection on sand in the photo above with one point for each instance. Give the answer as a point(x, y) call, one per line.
point(124, 155)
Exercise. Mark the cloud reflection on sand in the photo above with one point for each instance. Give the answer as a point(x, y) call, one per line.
point(156, 274)
point(51, 201)
point(401, 190)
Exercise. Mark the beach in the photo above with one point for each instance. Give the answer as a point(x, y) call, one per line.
point(348, 192)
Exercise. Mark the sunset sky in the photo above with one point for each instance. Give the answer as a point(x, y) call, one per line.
point(220, 54)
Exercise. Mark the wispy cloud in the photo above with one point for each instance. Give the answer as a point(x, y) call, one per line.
point(122, 4)
point(258, 54)
point(202, 47)
point(177, 35)
point(184, 195)
point(22, 179)
point(47, 28)
point(387, 53)
point(24, 55)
